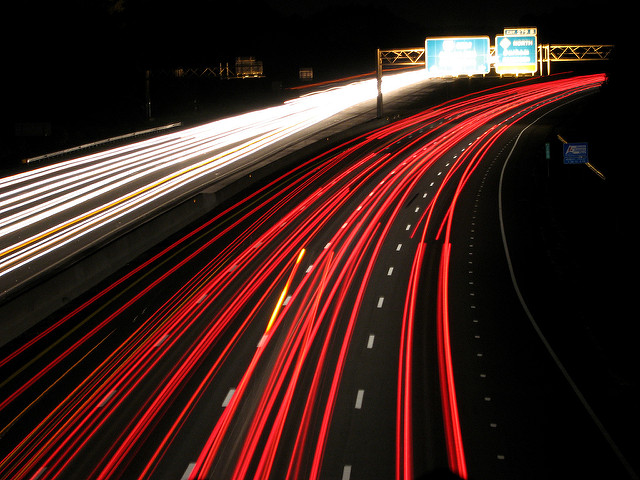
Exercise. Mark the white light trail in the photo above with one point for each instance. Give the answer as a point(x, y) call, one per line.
point(90, 192)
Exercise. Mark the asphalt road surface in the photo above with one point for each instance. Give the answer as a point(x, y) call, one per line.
point(358, 316)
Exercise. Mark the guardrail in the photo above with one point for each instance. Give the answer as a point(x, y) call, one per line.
point(99, 142)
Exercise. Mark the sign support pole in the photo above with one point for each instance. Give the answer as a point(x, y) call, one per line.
point(379, 82)
point(147, 93)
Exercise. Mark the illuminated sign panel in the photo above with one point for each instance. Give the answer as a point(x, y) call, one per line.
point(520, 31)
point(453, 56)
point(516, 54)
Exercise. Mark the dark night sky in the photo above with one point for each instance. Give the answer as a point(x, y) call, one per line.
point(64, 32)
point(92, 48)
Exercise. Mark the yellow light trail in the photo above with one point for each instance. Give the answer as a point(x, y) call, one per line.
point(283, 295)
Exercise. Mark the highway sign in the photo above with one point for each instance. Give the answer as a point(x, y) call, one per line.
point(452, 56)
point(521, 31)
point(575, 152)
point(516, 54)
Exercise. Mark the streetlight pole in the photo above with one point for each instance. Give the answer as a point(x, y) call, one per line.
point(147, 90)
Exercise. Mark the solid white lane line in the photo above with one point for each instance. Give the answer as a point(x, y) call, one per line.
point(534, 324)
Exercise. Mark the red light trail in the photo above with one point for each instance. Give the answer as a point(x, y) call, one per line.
point(292, 279)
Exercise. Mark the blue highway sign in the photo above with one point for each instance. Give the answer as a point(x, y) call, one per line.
point(452, 56)
point(575, 152)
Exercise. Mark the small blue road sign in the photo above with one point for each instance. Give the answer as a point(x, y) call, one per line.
point(575, 152)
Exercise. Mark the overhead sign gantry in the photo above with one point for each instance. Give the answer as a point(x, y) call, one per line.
point(515, 52)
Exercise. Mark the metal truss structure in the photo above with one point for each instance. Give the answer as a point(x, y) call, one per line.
point(222, 71)
point(406, 56)
point(245, 67)
point(569, 53)
point(572, 53)
point(546, 54)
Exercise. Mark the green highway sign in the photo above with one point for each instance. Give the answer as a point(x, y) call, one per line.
point(516, 54)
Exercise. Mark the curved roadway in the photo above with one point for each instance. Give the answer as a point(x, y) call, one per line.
point(338, 322)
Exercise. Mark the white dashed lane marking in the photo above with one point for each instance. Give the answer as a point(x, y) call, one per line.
point(346, 472)
point(227, 399)
point(370, 341)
